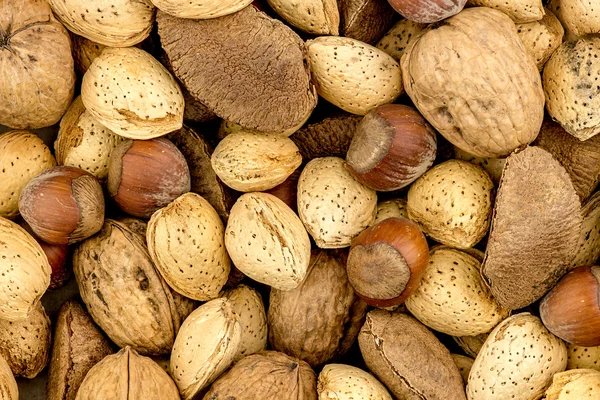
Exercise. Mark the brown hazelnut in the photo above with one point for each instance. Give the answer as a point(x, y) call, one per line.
point(146, 175)
point(427, 11)
point(393, 146)
point(387, 261)
point(571, 310)
point(63, 205)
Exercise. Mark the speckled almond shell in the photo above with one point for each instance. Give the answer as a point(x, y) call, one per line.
point(452, 297)
point(555, 7)
point(345, 382)
point(396, 39)
point(8, 385)
point(115, 23)
point(23, 156)
point(471, 344)
point(483, 93)
point(581, 384)
point(253, 162)
point(394, 208)
point(200, 9)
point(198, 359)
point(452, 203)
point(332, 204)
point(318, 17)
point(517, 361)
point(535, 229)
point(127, 375)
point(131, 93)
point(541, 38)
point(353, 75)
point(493, 166)
point(588, 246)
point(24, 272)
point(581, 17)
point(570, 87)
point(84, 52)
point(185, 241)
point(583, 357)
point(267, 241)
point(464, 365)
point(518, 10)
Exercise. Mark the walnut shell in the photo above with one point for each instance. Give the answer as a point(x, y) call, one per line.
point(588, 248)
point(23, 156)
point(345, 382)
point(541, 38)
point(8, 385)
point(397, 38)
point(492, 102)
point(365, 20)
point(306, 324)
point(519, 11)
point(318, 17)
point(330, 137)
point(199, 9)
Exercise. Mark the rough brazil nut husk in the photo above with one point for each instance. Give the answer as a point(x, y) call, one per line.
point(23, 156)
point(581, 384)
point(265, 90)
point(267, 241)
point(519, 11)
point(427, 11)
point(127, 375)
point(318, 17)
point(541, 38)
point(588, 248)
point(492, 102)
point(365, 20)
point(517, 361)
point(25, 272)
point(406, 357)
point(535, 229)
point(199, 9)
point(306, 324)
point(78, 346)
point(272, 374)
point(345, 382)
point(8, 385)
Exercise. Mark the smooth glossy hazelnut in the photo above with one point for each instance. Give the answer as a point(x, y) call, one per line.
point(427, 11)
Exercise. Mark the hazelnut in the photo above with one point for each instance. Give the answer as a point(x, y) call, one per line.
point(571, 309)
point(427, 11)
point(393, 145)
point(63, 205)
point(387, 261)
point(146, 175)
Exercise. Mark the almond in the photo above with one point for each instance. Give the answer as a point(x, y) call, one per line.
point(580, 17)
point(493, 166)
point(345, 382)
point(541, 38)
point(581, 384)
point(318, 17)
point(394, 208)
point(199, 9)
point(583, 357)
point(471, 344)
point(397, 38)
point(464, 365)
point(519, 10)
point(84, 52)
point(8, 385)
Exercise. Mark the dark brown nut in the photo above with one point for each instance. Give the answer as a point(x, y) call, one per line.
point(78, 346)
point(588, 248)
point(393, 146)
point(146, 175)
point(306, 323)
point(365, 20)
point(287, 191)
point(427, 11)
point(63, 205)
point(330, 137)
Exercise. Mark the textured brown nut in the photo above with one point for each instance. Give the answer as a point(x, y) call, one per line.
point(365, 20)
point(519, 340)
point(332, 204)
point(271, 92)
point(534, 231)
point(329, 137)
point(541, 38)
point(23, 155)
point(404, 354)
point(493, 166)
point(452, 297)
point(345, 382)
point(115, 272)
point(427, 11)
point(36, 79)
point(84, 52)
point(581, 159)
point(287, 191)
point(78, 346)
point(397, 38)
point(272, 374)
point(520, 11)
point(471, 344)
point(452, 202)
point(580, 17)
point(197, 360)
point(199, 9)
point(353, 75)
point(464, 365)
point(127, 375)
point(146, 175)
point(318, 17)
point(583, 357)
point(25, 344)
point(570, 89)
point(63, 205)
point(588, 247)
point(131, 93)
point(574, 385)
point(8, 386)
point(116, 23)
point(20, 288)
point(394, 208)
point(253, 162)
point(492, 103)
point(306, 324)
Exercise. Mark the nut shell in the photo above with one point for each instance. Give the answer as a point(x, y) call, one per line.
point(394, 208)
point(345, 382)
point(541, 38)
point(583, 357)
point(580, 17)
point(318, 17)
point(330, 137)
point(574, 385)
point(199, 9)
point(493, 166)
point(8, 385)
point(427, 11)
point(84, 52)
point(588, 248)
point(519, 11)
point(397, 38)
point(365, 20)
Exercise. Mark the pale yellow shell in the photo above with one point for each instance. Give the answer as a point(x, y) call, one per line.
point(396, 39)
point(542, 37)
point(200, 9)
point(8, 385)
point(345, 382)
point(583, 357)
point(464, 365)
point(581, 384)
point(395, 208)
point(518, 10)
point(493, 166)
point(318, 17)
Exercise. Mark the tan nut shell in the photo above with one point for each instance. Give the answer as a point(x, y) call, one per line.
point(8, 385)
point(127, 375)
point(332, 204)
point(493, 166)
point(25, 344)
point(395, 208)
point(541, 38)
point(254, 162)
point(116, 23)
point(23, 156)
point(200, 9)
point(471, 344)
point(588, 248)
point(464, 365)
point(518, 10)
point(353, 75)
point(267, 241)
point(452, 297)
point(24, 272)
point(83, 142)
point(569, 86)
point(248, 305)
point(579, 357)
point(452, 203)
point(198, 359)
point(131, 93)
point(396, 39)
point(185, 241)
point(85, 52)
point(481, 92)
point(580, 17)
point(517, 361)
point(581, 384)
point(345, 382)
point(318, 17)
